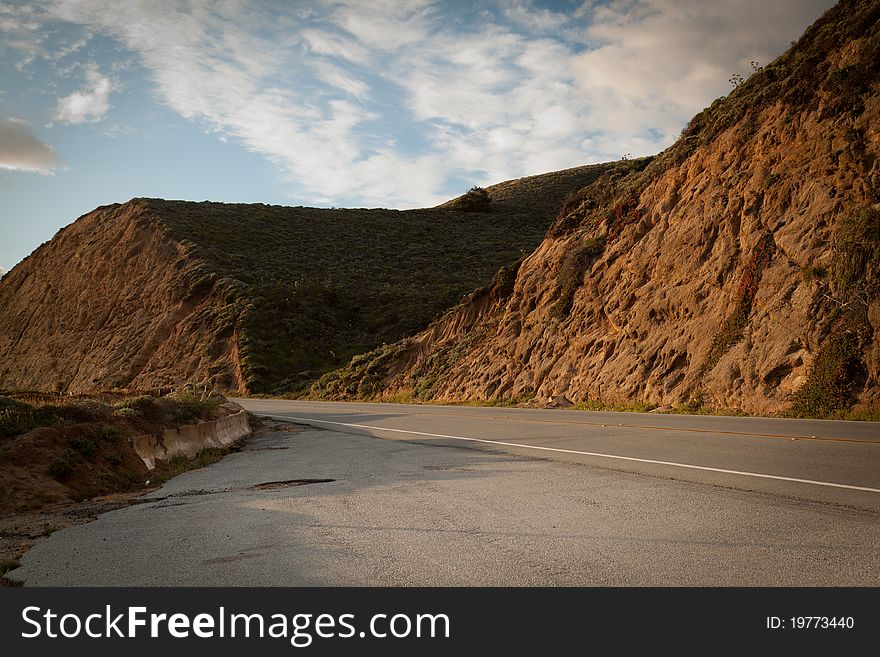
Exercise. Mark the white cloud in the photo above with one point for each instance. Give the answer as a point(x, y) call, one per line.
point(90, 103)
point(660, 61)
point(337, 77)
point(383, 103)
point(20, 150)
point(22, 33)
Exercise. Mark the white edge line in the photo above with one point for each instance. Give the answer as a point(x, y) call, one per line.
point(574, 451)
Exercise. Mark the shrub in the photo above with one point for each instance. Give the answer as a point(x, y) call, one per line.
point(107, 433)
point(832, 381)
point(60, 466)
point(571, 273)
point(186, 404)
point(127, 413)
point(476, 199)
point(810, 273)
point(84, 445)
point(142, 404)
point(17, 417)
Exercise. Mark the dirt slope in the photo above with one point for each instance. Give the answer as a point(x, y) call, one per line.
point(112, 301)
point(740, 268)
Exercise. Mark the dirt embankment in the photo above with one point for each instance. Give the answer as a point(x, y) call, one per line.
point(63, 460)
point(739, 269)
point(113, 302)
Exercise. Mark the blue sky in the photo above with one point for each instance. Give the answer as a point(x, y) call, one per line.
point(370, 103)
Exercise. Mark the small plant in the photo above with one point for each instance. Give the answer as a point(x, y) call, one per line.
point(696, 402)
point(8, 564)
point(770, 179)
point(61, 466)
point(179, 463)
point(188, 404)
point(84, 445)
point(107, 433)
point(811, 273)
point(571, 273)
point(127, 413)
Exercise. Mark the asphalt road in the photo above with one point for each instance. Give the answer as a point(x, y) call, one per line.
point(831, 461)
point(403, 495)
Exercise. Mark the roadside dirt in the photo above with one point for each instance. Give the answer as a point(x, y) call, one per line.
point(23, 528)
point(21, 531)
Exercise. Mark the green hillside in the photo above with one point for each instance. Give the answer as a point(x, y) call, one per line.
point(315, 287)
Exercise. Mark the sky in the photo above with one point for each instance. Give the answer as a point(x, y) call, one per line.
point(351, 103)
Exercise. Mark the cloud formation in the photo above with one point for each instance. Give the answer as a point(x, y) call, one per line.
point(20, 150)
point(88, 104)
point(658, 62)
point(400, 102)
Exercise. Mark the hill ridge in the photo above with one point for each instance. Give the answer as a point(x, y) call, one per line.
point(248, 297)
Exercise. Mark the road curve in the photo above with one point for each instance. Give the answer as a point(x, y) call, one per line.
point(828, 461)
point(386, 495)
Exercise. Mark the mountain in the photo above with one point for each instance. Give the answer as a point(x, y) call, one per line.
point(738, 269)
point(251, 298)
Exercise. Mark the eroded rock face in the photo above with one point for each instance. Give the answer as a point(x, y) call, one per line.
point(110, 302)
point(716, 273)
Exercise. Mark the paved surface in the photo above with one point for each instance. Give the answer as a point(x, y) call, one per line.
point(834, 460)
point(410, 509)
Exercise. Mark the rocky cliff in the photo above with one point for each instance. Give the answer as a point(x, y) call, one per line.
point(738, 269)
point(113, 301)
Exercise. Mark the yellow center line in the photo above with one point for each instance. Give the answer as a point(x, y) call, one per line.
point(777, 436)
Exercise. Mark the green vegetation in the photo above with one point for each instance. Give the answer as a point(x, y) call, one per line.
point(832, 382)
point(61, 465)
point(611, 198)
point(811, 273)
point(8, 564)
point(838, 372)
point(179, 464)
point(732, 327)
point(85, 446)
point(305, 289)
point(366, 374)
point(571, 273)
point(636, 407)
point(18, 416)
point(476, 199)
